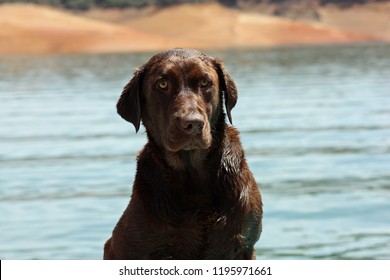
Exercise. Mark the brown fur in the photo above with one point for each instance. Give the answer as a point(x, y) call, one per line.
point(194, 196)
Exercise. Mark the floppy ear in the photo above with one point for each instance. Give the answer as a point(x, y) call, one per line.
point(129, 106)
point(227, 86)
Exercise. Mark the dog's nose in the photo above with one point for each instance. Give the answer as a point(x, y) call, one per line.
point(192, 124)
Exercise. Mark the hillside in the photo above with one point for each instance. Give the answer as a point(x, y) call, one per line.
point(215, 26)
point(371, 18)
point(27, 28)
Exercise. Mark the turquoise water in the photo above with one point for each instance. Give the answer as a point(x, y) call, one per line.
point(314, 121)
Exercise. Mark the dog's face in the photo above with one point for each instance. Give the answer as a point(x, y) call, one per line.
point(178, 96)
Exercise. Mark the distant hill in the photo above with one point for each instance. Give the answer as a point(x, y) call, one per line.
point(307, 10)
point(27, 28)
point(215, 26)
point(281, 5)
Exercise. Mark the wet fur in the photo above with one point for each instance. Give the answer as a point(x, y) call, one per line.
point(189, 201)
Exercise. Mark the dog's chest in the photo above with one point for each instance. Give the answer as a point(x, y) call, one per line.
point(197, 221)
point(190, 238)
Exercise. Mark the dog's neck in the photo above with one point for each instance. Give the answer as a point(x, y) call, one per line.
point(186, 160)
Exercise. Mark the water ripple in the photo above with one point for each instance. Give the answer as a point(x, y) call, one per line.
point(314, 122)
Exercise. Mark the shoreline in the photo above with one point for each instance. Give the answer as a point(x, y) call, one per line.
point(205, 50)
point(50, 31)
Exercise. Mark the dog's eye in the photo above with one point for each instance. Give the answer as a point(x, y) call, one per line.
point(163, 85)
point(204, 82)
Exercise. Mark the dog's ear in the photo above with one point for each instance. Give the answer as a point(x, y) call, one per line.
point(227, 86)
point(129, 106)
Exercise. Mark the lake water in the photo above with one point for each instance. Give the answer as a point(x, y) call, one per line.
point(314, 121)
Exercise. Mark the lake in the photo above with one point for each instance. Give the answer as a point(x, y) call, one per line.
point(314, 121)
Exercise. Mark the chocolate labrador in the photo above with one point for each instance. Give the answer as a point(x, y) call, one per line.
point(194, 196)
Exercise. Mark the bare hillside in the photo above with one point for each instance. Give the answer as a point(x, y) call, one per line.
point(39, 29)
point(212, 25)
point(26, 28)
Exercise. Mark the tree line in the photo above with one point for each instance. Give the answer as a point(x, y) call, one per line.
point(87, 4)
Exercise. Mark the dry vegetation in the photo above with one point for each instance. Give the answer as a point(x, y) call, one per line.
point(26, 28)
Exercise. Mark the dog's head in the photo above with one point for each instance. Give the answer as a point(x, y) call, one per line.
point(178, 96)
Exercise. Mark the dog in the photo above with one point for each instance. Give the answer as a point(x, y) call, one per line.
point(194, 196)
